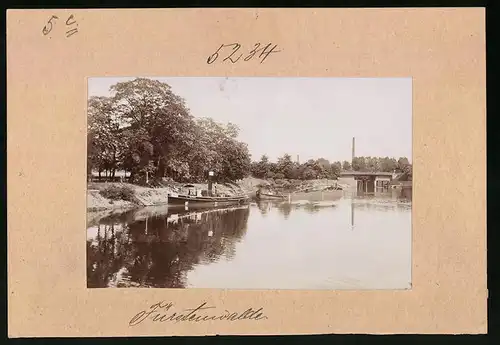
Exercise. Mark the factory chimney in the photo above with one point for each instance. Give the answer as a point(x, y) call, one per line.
point(353, 149)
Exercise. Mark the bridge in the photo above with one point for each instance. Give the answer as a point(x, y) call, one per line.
point(366, 181)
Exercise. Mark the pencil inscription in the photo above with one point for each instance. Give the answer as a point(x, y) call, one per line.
point(50, 24)
point(71, 25)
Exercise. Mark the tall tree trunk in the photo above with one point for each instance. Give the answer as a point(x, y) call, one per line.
point(160, 172)
point(113, 167)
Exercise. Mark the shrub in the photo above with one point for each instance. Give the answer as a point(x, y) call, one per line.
point(114, 192)
point(154, 182)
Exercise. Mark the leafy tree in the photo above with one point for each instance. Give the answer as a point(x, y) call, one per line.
point(295, 173)
point(224, 154)
point(358, 164)
point(309, 173)
point(137, 153)
point(103, 142)
point(270, 175)
point(285, 166)
point(159, 122)
point(388, 164)
point(322, 167)
point(236, 163)
point(408, 170)
point(261, 169)
point(402, 164)
point(335, 168)
point(373, 164)
point(346, 166)
point(146, 129)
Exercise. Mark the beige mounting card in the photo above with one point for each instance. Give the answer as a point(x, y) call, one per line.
point(51, 54)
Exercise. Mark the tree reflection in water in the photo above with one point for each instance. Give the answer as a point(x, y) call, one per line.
point(157, 250)
point(284, 207)
point(264, 207)
point(381, 201)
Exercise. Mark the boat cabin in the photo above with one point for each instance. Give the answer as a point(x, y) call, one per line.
point(192, 190)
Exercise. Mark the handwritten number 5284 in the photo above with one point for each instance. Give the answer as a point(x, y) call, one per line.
point(233, 57)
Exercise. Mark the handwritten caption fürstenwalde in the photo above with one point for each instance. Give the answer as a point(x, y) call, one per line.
point(165, 312)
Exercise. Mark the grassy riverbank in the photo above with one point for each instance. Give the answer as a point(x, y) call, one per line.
point(108, 196)
point(105, 196)
point(102, 196)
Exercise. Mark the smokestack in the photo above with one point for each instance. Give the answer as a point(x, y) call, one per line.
point(298, 162)
point(353, 149)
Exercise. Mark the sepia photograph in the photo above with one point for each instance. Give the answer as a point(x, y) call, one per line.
point(249, 183)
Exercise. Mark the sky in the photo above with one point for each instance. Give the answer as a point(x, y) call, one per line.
point(309, 117)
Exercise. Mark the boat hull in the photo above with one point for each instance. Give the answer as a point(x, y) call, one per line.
point(191, 200)
point(270, 197)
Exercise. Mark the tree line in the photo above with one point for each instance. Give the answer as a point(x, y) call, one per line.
point(143, 128)
point(285, 168)
point(148, 131)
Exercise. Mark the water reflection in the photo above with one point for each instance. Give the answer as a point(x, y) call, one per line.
point(151, 248)
point(266, 206)
point(359, 241)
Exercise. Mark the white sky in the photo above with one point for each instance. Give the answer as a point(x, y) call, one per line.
point(309, 117)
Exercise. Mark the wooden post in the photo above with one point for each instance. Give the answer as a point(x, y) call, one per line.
point(352, 214)
point(210, 176)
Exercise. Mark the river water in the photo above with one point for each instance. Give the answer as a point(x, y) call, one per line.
point(363, 242)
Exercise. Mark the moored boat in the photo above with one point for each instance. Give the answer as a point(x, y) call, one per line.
point(265, 196)
point(203, 198)
point(190, 200)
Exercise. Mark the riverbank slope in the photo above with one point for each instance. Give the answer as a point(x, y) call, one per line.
point(115, 195)
point(105, 196)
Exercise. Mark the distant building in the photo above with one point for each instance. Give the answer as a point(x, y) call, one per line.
point(402, 179)
point(366, 181)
